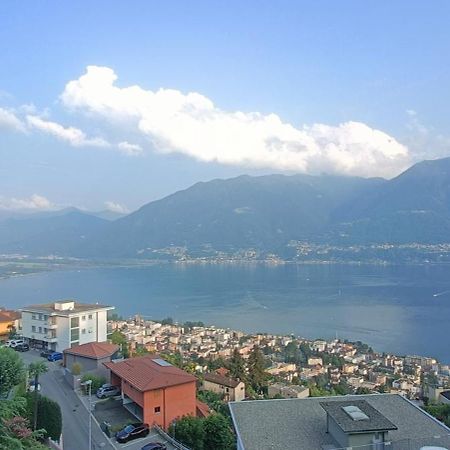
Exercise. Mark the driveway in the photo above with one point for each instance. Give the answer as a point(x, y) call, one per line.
point(75, 415)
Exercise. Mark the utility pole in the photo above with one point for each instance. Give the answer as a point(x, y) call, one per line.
point(89, 383)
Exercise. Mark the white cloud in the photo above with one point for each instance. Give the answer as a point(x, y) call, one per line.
point(116, 207)
point(73, 136)
point(130, 149)
point(9, 121)
point(191, 124)
point(34, 202)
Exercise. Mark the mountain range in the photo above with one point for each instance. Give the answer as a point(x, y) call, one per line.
point(264, 213)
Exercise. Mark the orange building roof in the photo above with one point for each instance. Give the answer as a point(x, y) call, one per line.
point(202, 409)
point(149, 372)
point(94, 350)
point(8, 316)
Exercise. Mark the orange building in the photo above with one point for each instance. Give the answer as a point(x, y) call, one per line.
point(8, 321)
point(153, 390)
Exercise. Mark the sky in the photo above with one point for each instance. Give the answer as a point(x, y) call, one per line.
point(110, 104)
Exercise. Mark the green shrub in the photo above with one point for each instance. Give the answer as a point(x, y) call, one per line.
point(97, 382)
point(49, 415)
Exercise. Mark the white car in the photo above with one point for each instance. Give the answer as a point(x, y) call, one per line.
point(31, 386)
point(14, 342)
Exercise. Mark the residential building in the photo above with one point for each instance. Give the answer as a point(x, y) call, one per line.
point(288, 391)
point(231, 390)
point(90, 357)
point(366, 422)
point(8, 322)
point(64, 324)
point(153, 390)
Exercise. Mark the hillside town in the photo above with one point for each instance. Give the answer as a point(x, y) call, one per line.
point(295, 367)
point(169, 379)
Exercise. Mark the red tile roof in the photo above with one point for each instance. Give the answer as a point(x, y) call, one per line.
point(202, 409)
point(8, 316)
point(219, 379)
point(93, 350)
point(145, 374)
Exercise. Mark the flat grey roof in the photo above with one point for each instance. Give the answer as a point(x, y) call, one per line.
point(49, 308)
point(376, 421)
point(300, 424)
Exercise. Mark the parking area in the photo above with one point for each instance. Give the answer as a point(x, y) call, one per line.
point(154, 436)
point(114, 416)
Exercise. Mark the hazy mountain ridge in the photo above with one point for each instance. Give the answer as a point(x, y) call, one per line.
point(265, 213)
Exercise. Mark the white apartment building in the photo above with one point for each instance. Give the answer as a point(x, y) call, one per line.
point(64, 323)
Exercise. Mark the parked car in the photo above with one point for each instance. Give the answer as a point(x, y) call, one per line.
point(154, 446)
point(14, 342)
point(46, 353)
point(55, 356)
point(107, 391)
point(133, 431)
point(32, 385)
point(21, 347)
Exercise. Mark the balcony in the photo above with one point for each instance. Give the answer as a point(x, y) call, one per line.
point(51, 324)
point(50, 338)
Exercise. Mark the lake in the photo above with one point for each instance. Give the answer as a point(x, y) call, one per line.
point(401, 309)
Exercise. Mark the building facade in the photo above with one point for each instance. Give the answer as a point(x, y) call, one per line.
point(64, 324)
point(153, 390)
point(231, 390)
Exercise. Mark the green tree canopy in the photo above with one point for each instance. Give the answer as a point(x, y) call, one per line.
point(12, 370)
point(257, 376)
point(218, 434)
point(189, 431)
point(236, 365)
point(49, 415)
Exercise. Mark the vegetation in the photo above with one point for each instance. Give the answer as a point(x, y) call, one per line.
point(36, 369)
point(440, 411)
point(12, 370)
point(15, 430)
point(97, 382)
point(257, 376)
point(118, 338)
point(49, 416)
point(211, 433)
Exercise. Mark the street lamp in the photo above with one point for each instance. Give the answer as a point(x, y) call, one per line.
point(89, 383)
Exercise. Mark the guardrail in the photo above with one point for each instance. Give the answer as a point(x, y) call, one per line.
point(169, 438)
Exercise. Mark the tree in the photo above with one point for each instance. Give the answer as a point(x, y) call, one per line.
point(36, 369)
point(120, 339)
point(236, 366)
point(189, 431)
point(256, 373)
point(49, 415)
point(218, 434)
point(12, 370)
point(15, 432)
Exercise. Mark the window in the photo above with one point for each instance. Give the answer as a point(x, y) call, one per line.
point(45, 330)
point(33, 316)
point(33, 329)
point(90, 316)
point(40, 329)
point(74, 322)
point(45, 317)
point(157, 409)
point(40, 316)
point(74, 334)
point(83, 317)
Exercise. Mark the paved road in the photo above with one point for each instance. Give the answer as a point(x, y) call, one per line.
point(75, 415)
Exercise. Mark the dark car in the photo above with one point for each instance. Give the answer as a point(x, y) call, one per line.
point(132, 431)
point(55, 356)
point(22, 347)
point(154, 446)
point(46, 353)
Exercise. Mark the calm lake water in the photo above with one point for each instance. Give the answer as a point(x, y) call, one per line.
point(402, 309)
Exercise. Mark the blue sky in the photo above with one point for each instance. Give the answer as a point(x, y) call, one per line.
point(357, 88)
